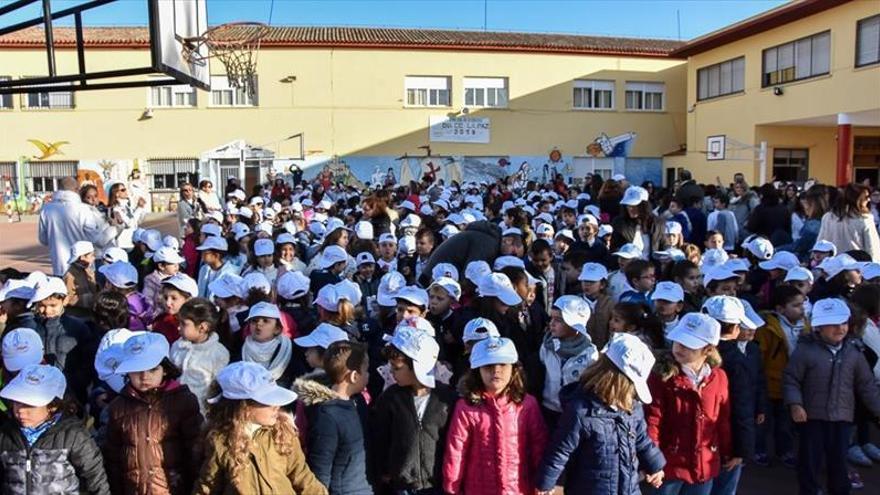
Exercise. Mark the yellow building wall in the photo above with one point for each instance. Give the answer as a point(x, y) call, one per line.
point(744, 117)
point(350, 102)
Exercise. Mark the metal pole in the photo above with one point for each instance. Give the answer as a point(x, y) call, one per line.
point(762, 164)
point(80, 46)
point(50, 41)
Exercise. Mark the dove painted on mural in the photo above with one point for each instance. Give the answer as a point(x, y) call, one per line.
point(49, 149)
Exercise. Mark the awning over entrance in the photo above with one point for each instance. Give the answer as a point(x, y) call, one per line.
point(240, 160)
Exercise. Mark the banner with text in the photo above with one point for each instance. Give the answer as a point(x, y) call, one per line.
point(459, 130)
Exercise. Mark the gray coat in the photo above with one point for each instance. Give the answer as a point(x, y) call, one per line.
point(825, 383)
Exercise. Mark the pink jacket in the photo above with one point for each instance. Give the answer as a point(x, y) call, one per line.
point(494, 447)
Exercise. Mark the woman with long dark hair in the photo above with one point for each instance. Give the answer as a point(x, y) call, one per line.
point(187, 207)
point(636, 224)
point(771, 219)
point(849, 225)
point(121, 214)
point(815, 205)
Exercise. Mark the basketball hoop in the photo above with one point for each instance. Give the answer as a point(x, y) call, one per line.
point(236, 44)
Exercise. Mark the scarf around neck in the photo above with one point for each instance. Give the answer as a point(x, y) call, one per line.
point(264, 354)
point(568, 348)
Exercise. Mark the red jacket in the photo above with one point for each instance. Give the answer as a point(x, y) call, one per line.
point(494, 447)
point(168, 325)
point(691, 427)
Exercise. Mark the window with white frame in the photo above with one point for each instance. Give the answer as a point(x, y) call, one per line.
point(485, 92)
point(224, 95)
point(45, 176)
point(868, 41)
point(796, 60)
point(594, 95)
point(428, 91)
point(721, 79)
point(171, 173)
point(7, 172)
point(648, 96)
point(53, 100)
point(178, 95)
point(5, 100)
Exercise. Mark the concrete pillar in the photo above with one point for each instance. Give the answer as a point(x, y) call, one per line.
point(844, 149)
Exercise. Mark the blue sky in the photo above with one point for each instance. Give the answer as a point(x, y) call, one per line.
point(621, 18)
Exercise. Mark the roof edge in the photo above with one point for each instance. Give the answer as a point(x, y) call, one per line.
point(759, 23)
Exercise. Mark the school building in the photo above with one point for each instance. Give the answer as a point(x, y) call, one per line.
point(361, 103)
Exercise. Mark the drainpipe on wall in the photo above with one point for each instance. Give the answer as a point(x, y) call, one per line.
point(844, 149)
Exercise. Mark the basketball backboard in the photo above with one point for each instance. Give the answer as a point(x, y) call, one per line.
point(171, 23)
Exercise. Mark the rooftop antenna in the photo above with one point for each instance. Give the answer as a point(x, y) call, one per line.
point(485, 13)
point(678, 21)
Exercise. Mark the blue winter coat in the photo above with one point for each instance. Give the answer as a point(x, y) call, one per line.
point(603, 448)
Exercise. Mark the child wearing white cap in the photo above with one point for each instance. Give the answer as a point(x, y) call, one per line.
point(214, 264)
point(604, 413)
point(266, 344)
point(668, 300)
point(443, 296)
point(176, 290)
point(691, 407)
point(826, 375)
point(198, 352)
point(43, 444)
point(565, 352)
point(387, 260)
point(367, 278)
point(22, 347)
point(262, 260)
point(409, 418)
point(61, 333)
point(80, 280)
point(494, 419)
point(288, 257)
point(261, 454)
point(152, 409)
point(640, 280)
point(167, 262)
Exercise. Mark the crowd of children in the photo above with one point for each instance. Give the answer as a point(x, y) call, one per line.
point(442, 339)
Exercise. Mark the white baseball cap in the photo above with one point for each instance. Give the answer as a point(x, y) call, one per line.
point(78, 249)
point(292, 285)
point(389, 285)
point(331, 255)
point(422, 348)
point(634, 359)
point(493, 350)
point(167, 254)
point(328, 298)
point(799, 273)
point(317, 229)
point(728, 309)
point(479, 329)
point(350, 291)
point(634, 195)
point(628, 251)
point(575, 312)
point(322, 336)
point(211, 230)
point(52, 286)
point(781, 260)
point(363, 230)
point(737, 265)
point(264, 227)
point(245, 212)
point(502, 262)
point(449, 230)
point(364, 258)
point(334, 224)
point(544, 229)
point(214, 244)
point(565, 234)
point(476, 270)
point(416, 322)
point(695, 331)
point(406, 245)
point(245, 380)
point(588, 218)
point(836, 264)
point(719, 272)
point(712, 258)
point(184, 283)
point(143, 352)
point(413, 294)
point(36, 385)
point(254, 280)
point(152, 238)
point(264, 310)
point(593, 272)
point(387, 237)
point(22, 347)
point(226, 285)
point(256, 200)
point(498, 285)
point(264, 247)
point(760, 247)
point(618, 177)
point(672, 228)
point(16, 289)
point(110, 354)
point(668, 291)
point(408, 205)
point(824, 246)
point(285, 238)
point(672, 253)
point(114, 254)
point(411, 220)
point(444, 270)
point(511, 231)
point(605, 230)
point(830, 311)
point(450, 285)
point(871, 271)
point(121, 274)
point(171, 241)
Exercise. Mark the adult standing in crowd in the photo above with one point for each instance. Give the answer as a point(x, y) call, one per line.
point(66, 220)
point(771, 219)
point(849, 225)
point(187, 207)
point(742, 201)
point(815, 206)
point(689, 192)
point(376, 212)
point(208, 197)
point(122, 216)
point(636, 224)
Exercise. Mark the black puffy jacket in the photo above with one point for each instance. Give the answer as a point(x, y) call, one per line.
point(479, 241)
point(64, 460)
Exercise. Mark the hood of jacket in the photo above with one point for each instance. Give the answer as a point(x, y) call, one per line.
point(314, 388)
point(666, 367)
point(65, 197)
point(485, 227)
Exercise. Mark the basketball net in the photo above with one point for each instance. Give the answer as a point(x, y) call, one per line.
point(236, 45)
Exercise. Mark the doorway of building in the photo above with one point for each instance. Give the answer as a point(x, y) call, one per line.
point(791, 164)
point(866, 159)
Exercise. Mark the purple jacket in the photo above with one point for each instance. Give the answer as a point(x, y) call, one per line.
point(140, 311)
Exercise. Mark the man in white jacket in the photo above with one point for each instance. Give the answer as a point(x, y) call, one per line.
point(66, 220)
